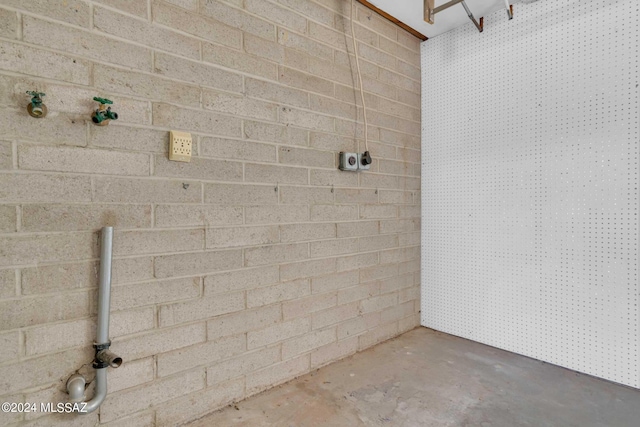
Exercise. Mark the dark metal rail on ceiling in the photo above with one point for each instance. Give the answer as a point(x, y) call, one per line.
point(430, 11)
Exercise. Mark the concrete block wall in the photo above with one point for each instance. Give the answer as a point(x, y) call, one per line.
point(255, 263)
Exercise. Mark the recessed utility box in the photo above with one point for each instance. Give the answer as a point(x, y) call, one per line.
point(348, 161)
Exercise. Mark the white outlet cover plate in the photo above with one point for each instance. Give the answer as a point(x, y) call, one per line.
point(180, 146)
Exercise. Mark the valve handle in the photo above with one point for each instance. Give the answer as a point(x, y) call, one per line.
point(35, 94)
point(102, 100)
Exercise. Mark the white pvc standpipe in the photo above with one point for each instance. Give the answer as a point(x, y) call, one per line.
point(104, 287)
point(76, 384)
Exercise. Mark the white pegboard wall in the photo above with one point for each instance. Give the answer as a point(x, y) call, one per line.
point(530, 179)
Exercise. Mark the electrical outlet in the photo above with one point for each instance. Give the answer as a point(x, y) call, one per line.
point(348, 161)
point(363, 165)
point(180, 146)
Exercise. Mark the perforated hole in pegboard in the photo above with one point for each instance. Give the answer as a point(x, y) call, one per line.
point(530, 184)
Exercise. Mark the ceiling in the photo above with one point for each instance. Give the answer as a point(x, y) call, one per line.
point(411, 13)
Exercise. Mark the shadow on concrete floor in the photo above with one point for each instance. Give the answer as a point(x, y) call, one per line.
point(427, 378)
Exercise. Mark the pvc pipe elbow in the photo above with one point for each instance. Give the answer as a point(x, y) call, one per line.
point(75, 388)
point(100, 394)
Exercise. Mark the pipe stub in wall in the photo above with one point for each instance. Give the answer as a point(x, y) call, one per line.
point(104, 357)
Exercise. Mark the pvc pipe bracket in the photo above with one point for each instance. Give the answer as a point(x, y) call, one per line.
point(104, 346)
point(97, 362)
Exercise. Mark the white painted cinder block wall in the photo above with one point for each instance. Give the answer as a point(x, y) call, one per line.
point(253, 264)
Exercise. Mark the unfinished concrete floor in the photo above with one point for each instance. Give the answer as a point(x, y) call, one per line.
point(427, 378)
